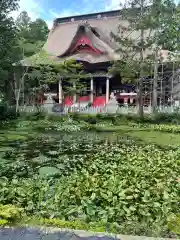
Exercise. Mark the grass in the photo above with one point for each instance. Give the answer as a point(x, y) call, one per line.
point(159, 138)
point(144, 134)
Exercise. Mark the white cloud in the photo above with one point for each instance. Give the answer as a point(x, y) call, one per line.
point(112, 5)
point(36, 10)
point(64, 13)
point(32, 7)
point(116, 4)
point(104, 5)
point(49, 23)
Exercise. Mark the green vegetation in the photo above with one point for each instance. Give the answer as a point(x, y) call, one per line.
point(31, 34)
point(102, 173)
point(9, 214)
point(174, 223)
point(70, 173)
point(140, 56)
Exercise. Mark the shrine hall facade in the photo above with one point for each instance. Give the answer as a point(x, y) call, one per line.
point(87, 39)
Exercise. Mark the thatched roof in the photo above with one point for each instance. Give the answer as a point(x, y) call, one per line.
point(64, 36)
point(97, 28)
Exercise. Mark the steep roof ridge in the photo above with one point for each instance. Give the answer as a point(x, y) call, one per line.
point(114, 13)
point(95, 15)
point(56, 24)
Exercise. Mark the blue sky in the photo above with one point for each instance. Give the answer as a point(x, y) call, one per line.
point(51, 9)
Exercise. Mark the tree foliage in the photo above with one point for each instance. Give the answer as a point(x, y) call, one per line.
point(8, 38)
point(70, 72)
point(32, 34)
point(48, 69)
point(171, 32)
point(19, 39)
point(145, 28)
point(156, 19)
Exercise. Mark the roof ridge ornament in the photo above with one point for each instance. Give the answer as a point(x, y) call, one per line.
point(84, 23)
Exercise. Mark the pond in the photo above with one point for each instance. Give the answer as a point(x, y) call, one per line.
point(90, 176)
point(23, 154)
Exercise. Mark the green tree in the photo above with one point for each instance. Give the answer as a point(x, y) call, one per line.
point(146, 22)
point(132, 66)
point(167, 24)
point(161, 19)
point(22, 23)
point(43, 75)
point(74, 84)
point(38, 30)
point(34, 74)
point(8, 40)
point(32, 34)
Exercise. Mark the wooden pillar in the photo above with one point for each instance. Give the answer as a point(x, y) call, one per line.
point(91, 90)
point(60, 91)
point(107, 89)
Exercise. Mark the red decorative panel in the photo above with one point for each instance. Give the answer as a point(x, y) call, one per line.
point(84, 98)
point(86, 43)
point(68, 101)
point(99, 101)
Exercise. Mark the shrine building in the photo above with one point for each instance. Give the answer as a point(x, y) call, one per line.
point(87, 39)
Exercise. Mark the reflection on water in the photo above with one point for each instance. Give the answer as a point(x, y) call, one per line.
point(91, 137)
point(56, 141)
point(24, 157)
point(51, 140)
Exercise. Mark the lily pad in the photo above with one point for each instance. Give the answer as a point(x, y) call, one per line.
point(48, 171)
point(40, 159)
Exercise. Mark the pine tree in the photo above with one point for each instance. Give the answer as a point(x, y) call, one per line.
point(73, 84)
point(139, 37)
point(132, 37)
point(45, 71)
point(161, 18)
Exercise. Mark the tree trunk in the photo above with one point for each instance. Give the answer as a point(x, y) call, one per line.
point(17, 95)
point(140, 98)
point(140, 92)
point(155, 80)
point(17, 91)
